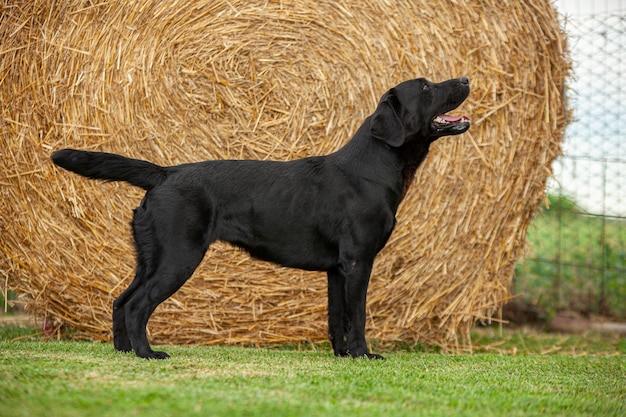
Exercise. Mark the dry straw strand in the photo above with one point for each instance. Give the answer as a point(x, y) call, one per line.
point(172, 83)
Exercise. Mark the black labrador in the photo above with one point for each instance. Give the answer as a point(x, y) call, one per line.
point(330, 213)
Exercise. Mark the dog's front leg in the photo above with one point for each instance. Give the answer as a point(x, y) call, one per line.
point(355, 277)
point(337, 317)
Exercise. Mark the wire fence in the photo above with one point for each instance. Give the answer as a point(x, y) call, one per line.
point(577, 259)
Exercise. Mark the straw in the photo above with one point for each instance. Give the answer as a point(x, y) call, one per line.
point(177, 81)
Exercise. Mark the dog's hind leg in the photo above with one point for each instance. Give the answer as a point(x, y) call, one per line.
point(121, 341)
point(146, 260)
point(164, 283)
point(175, 268)
point(170, 245)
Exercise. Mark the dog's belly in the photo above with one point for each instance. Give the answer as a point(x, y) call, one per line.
point(295, 247)
point(295, 257)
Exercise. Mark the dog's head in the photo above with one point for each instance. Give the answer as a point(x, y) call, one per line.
point(415, 110)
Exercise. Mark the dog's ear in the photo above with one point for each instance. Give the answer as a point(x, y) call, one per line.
point(385, 124)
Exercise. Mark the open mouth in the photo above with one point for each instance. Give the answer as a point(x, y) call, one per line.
point(451, 125)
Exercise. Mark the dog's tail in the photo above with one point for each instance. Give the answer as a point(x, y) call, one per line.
point(112, 167)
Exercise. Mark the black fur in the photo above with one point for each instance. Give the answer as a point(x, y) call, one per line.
point(329, 213)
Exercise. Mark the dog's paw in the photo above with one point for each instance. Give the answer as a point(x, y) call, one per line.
point(364, 353)
point(152, 354)
point(373, 356)
point(160, 355)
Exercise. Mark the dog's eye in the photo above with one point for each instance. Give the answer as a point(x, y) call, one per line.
point(425, 87)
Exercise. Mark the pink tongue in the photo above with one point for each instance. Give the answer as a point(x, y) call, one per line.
point(449, 118)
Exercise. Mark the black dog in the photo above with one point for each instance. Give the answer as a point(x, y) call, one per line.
point(329, 213)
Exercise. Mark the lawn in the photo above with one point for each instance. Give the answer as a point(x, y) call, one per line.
point(69, 378)
point(576, 262)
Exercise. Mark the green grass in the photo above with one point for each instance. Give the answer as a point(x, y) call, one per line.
point(578, 262)
point(68, 378)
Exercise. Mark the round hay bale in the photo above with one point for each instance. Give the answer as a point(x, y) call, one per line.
point(175, 82)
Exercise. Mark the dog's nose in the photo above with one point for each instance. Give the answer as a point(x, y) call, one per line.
point(464, 80)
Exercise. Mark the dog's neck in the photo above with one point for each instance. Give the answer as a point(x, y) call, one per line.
point(402, 162)
point(414, 154)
